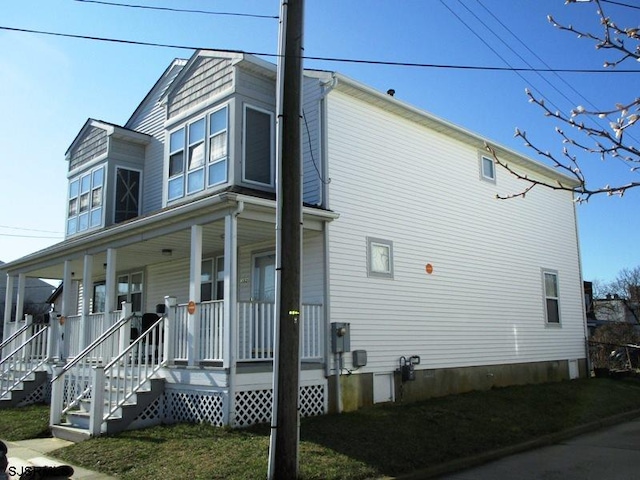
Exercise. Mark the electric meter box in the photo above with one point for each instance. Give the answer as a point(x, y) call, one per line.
point(340, 337)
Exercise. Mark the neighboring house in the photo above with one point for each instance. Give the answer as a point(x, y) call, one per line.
point(35, 294)
point(613, 308)
point(416, 280)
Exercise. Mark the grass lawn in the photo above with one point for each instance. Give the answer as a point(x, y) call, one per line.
point(377, 441)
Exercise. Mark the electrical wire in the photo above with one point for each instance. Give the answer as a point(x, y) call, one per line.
point(621, 4)
point(179, 10)
point(324, 59)
point(29, 229)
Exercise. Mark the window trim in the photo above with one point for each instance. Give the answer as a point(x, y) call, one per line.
point(373, 242)
point(546, 297)
point(130, 292)
point(272, 139)
point(483, 175)
point(204, 169)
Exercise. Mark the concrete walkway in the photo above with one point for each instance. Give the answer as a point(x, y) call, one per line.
point(29, 453)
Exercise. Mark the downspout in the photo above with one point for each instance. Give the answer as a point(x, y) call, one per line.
point(232, 302)
point(328, 87)
point(584, 312)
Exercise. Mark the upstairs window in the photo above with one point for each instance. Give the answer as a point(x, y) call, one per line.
point(379, 258)
point(198, 155)
point(258, 147)
point(487, 169)
point(84, 210)
point(552, 297)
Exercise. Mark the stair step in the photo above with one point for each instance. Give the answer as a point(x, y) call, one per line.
point(70, 433)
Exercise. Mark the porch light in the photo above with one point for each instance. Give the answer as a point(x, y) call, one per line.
point(167, 252)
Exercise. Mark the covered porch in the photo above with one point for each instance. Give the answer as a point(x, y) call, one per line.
point(210, 262)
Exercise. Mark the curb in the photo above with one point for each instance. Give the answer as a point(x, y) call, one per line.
point(543, 441)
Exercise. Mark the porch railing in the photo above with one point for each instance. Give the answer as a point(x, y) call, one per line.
point(126, 374)
point(12, 340)
point(73, 381)
point(24, 360)
point(255, 331)
point(255, 321)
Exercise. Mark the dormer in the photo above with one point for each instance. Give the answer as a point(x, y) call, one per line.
point(105, 176)
point(219, 127)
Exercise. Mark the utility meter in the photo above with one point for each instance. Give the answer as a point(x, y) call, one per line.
point(340, 337)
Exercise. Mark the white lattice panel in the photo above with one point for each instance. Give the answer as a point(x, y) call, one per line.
point(194, 406)
point(152, 415)
point(254, 406)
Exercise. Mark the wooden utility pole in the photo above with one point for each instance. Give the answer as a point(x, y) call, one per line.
point(283, 455)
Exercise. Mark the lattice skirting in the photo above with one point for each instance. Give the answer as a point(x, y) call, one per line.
point(42, 394)
point(198, 406)
point(194, 406)
point(254, 406)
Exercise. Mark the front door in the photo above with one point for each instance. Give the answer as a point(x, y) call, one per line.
point(264, 277)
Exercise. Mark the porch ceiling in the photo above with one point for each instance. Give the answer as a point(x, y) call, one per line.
point(168, 247)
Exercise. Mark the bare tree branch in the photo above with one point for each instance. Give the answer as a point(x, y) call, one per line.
point(614, 142)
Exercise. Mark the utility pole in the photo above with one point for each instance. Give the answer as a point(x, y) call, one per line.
point(285, 424)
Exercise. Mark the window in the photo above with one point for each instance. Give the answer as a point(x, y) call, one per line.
point(551, 296)
point(198, 155)
point(258, 146)
point(379, 258)
point(487, 169)
point(212, 282)
point(130, 287)
point(127, 195)
point(99, 297)
point(84, 210)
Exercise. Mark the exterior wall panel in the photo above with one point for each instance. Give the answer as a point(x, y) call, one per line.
point(483, 303)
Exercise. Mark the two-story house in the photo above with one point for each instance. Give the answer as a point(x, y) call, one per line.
point(416, 280)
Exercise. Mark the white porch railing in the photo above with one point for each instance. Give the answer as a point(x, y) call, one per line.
point(255, 331)
point(73, 382)
point(25, 359)
point(255, 321)
point(76, 338)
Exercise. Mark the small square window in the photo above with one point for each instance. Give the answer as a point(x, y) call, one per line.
point(487, 169)
point(379, 258)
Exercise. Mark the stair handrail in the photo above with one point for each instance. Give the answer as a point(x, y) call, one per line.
point(93, 345)
point(43, 359)
point(135, 351)
point(15, 335)
point(58, 394)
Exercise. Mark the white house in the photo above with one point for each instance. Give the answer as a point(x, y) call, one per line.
point(416, 281)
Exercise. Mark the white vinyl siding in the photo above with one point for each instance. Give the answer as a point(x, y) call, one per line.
point(482, 304)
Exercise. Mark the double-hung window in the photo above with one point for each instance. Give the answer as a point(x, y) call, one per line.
point(551, 297)
point(212, 280)
point(130, 287)
point(198, 155)
point(84, 209)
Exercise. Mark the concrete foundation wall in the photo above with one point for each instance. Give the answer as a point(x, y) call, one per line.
point(358, 389)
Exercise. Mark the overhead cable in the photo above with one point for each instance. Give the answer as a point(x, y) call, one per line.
point(324, 59)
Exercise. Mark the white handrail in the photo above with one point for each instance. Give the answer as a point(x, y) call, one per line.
point(19, 364)
point(15, 335)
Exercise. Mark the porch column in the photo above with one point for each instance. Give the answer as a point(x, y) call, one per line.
point(8, 305)
point(87, 293)
point(230, 302)
point(67, 295)
point(22, 278)
point(110, 281)
point(195, 278)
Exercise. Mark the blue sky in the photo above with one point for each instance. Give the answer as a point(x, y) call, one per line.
point(51, 85)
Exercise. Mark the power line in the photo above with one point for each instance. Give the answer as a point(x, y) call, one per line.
point(28, 229)
point(324, 59)
point(179, 10)
point(621, 4)
point(26, 236)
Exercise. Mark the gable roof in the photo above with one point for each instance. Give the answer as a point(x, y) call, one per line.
point(111, 129)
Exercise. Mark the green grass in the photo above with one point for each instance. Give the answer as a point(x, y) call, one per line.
point(372, 442)
point(24, 423)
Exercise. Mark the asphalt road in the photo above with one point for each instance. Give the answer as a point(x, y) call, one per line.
point(609, 454)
